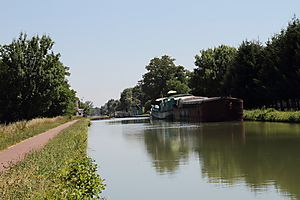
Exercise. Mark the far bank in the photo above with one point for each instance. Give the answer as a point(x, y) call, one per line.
point(272, 115)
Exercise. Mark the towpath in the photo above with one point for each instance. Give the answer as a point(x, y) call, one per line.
point(17, 152)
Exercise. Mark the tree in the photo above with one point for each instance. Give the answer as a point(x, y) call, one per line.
point(87, 107)
point(63, 102)
point(178, 86)
point(244, 80)
point(138, 94)
point(160, 71)
point(290, 61)
point(212, 66)
point(32, 80)
point(126, 99)
point(110, 106)
point(281, 69)
point(95, 111)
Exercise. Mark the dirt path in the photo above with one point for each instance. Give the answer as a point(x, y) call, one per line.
point(17, 152)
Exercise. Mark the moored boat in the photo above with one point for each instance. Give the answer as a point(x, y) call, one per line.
point(185, 107)
point(209, 109)
point(163, 109)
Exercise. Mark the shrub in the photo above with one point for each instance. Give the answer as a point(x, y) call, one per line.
point(78, 179)
point(60, 170)
point(272, 115)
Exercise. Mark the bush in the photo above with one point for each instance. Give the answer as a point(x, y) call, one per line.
point(60, 170)
point(78, 179)
point(272, 115)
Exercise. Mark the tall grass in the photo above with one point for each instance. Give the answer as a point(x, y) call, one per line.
point(60, 170)
point(15, 132)
point(272, 115)
point(100, 117)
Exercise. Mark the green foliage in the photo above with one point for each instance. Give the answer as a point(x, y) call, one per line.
point(78, 179)
point(261, 75)
point(15, 132)
point(178, 86)
point(127, 99)
point(148, 105)
point(138, 94)
point(49, 173)
point(111, 106)
point(281, 67)
point(162, 76)
point(211, 72)
point(87, 107)
point(95, 111)
point(99, 118)
point(130, 97)
point(244, 74)
point(32, 80)
point(272, 115)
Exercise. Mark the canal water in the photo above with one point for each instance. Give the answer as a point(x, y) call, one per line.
point(154, 160)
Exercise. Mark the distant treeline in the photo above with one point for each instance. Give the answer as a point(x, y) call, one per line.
point(33, 81)
point(263, 75)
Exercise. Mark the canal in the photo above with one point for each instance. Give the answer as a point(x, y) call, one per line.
point(147, 160)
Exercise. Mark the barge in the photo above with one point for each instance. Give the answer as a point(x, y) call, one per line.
point(186, 107)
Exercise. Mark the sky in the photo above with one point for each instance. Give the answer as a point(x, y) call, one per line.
point(107, 44)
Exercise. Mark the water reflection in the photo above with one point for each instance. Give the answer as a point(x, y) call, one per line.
point(259, 155)
point(167, 146)
point(272, 151)
point(151, 158)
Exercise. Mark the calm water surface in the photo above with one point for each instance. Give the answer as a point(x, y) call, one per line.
point(154, 160)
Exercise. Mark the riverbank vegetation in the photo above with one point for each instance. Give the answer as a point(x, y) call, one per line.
point(108, 117)
point(18, 131)
point(272, 115)
point(262, 74)
point(60, 170)
point(100, 118)
point(33, 81)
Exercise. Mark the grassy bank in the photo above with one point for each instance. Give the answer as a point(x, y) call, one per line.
point(143, 115)
point(15, 132)
point(100, 118)
point(60, 170)
point(272, 115)
point(107, 117)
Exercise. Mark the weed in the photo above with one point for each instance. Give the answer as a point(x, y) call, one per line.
point(15, 132)
point(49, 173)
point(272, 115)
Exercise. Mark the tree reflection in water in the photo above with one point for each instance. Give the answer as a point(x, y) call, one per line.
point(259, 155)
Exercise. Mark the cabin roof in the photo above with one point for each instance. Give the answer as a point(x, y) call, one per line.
point(198, 100)
point(175, 97)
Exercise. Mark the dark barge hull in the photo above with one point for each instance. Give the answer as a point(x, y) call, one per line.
point(209, 110)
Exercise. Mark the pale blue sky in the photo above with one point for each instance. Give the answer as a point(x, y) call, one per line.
point(107, 44)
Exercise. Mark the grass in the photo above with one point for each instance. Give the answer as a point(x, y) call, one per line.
point(107, 117)
point(15, 132)
point(100, 118)
point(143, 115)
point(272, 115)
point(60, 170)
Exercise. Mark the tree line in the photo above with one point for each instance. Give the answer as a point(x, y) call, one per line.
point(33, 81)
point(263, 75)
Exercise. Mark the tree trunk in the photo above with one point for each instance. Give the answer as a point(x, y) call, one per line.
point(281, 105)
point(293, 102)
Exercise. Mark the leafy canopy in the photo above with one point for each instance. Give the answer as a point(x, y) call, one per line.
point(32, 80)
point(162, 76)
